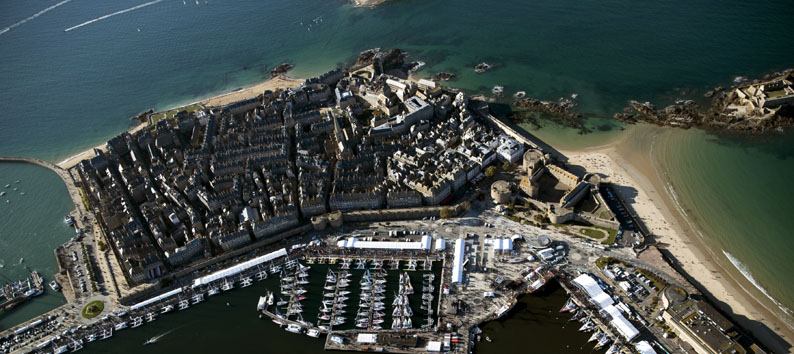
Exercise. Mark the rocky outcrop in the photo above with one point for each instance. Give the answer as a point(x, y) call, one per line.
point(281, 69)
point(443, 76)
point(482, 67)
point(564, 107)
point(728, 110)
point(393, 59)
point(144, 117)
point(366, 57)
point(562, 111)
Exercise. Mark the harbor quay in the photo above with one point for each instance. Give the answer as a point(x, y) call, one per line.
point(388, 214)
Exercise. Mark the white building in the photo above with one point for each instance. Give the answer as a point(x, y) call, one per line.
point(457, 263)
point(509, 150)
point(352, 242)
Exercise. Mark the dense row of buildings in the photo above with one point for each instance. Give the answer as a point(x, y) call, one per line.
point(218, 179)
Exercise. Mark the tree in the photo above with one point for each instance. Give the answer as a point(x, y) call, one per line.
point(506, 166)
point(102, 246)
point(490, 171)
point(446, 213)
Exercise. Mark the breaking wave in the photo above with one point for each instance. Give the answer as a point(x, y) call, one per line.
point(749, 276)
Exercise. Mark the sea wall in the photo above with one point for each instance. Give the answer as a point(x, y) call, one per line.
point(511, 131)
point(148, 290)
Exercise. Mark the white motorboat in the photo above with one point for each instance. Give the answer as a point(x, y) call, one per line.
point(294, 328)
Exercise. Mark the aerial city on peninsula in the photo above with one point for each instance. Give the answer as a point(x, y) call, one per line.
point(376, 209)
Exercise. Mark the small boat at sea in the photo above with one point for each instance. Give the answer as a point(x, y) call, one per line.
point(587, 326)
point(294, 328)
point(604, 341)
point(136, 322)
point(570, 305)
point(54, 286)
point(156, 338)
point(106, 333)
point(69, 220)
point(121, 325)
point(246, 282)
point(151, 316)
point(212, 291)
point(314, 333)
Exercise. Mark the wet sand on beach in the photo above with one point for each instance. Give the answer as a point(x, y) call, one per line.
point(628, 163)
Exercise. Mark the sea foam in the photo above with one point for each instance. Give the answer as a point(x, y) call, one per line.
point(749, 276)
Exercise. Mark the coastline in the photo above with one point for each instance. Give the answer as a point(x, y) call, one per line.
point(279, 82)
point(627, 166)
point(629, 162)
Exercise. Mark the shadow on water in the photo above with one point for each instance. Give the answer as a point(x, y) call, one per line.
point(535, 325)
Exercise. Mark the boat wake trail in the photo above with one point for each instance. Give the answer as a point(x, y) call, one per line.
point(42, 12)
point(158, 337)
point(746, 273)
point(113, 14)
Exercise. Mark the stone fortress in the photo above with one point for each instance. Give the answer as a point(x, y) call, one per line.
point(560, 194)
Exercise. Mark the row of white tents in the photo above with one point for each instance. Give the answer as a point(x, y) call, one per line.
point(601, 299)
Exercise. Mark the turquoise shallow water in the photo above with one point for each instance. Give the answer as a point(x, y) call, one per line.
point(66, 91)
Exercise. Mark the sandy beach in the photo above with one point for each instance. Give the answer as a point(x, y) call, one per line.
point(280, 82)
point(632, 168)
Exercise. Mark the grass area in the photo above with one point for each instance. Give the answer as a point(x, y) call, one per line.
point(93, 309)
point(520, 220)
point(605, 261)
point(612, 234)
point(83, 197)
point(89, 268)
point(592, 233)
point(170, 113)
point(570, 234)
